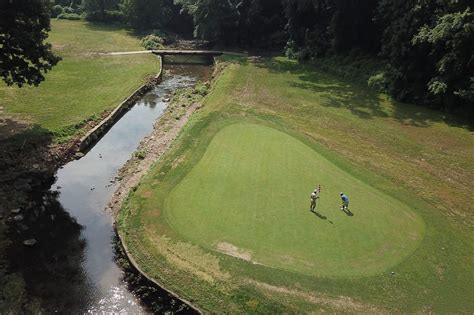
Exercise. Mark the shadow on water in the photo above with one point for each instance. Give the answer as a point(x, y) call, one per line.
point(52, 268)
point(360, 100)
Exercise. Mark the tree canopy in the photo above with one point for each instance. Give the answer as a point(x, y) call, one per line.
point(24, 55)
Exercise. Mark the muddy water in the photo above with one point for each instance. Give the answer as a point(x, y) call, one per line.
point(86, 185)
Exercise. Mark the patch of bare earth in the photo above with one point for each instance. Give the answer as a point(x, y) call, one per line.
point(340, 304)
point(234, 251)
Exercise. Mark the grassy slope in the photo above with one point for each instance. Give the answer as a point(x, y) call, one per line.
point(414, 155)
point(84, 84)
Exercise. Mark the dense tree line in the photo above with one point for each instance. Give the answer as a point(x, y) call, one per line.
point(425, 46)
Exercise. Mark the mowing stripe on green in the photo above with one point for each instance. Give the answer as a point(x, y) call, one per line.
point(249, 197)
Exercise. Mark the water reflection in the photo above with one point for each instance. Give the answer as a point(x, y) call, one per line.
point(53, 266)
point(85, 187)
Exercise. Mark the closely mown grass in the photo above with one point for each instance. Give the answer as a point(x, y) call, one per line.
point(85, 83)
point(416, 156)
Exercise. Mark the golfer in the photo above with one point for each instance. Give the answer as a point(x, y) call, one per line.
point(345, 202)
point(314, 196)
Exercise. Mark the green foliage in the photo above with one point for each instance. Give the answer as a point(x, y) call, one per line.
point(450, 39)
point(24, 55)
point(98, 10)
point(153, 41)
point(377, 82)
point(258, 23)
point(108, 16)
point(140, 154)
point(56, 10)
point(148, 14)
point(69, 16)
point(69, 10)
point(427, 45)
point(319, 26)
point(202, 88)
point(215, 20)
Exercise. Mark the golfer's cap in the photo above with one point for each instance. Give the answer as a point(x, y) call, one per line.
point(315, 190)
point(341, 193)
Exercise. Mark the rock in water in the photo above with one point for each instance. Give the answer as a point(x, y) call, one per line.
point(78, 155)
point(18, 218)
point(15, 211)
point(30, 242)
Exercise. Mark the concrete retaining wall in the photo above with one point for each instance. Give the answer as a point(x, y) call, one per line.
point(98, 131)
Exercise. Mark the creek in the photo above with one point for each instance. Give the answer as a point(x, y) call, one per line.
point(87, 278)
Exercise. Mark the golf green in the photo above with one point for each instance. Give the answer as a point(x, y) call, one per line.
point(249, 197)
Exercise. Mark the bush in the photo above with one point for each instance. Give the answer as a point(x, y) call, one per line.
point(108, 17)
point(69, 16)
point(153, 42)
point(68, 10)
point(56, 10)
point(378, 82)
point(141, 155)
point(202, 89)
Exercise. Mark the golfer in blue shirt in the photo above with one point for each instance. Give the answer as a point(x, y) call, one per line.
point(345, 202)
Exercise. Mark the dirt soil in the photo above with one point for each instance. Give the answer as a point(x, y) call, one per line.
point(165, 131)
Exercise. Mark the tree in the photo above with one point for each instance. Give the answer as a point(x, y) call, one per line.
point(409, 66)
point(260, 23)
point(97, 9)
point(148, 14)
point(213, 19)
point(24, 56)
point(352, 26)
point(450, 41)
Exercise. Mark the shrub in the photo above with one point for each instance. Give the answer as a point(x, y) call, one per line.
point(378, 82)
point(68, 10)
point(202, 89)
point(141, 155)
point(153, 42)
point(56, 10)
point(69, 16)
point(108, 17)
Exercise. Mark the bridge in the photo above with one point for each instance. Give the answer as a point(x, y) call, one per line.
point(172, 52)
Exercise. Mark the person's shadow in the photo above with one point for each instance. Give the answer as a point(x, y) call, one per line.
point(348, 212)
point(322, 217)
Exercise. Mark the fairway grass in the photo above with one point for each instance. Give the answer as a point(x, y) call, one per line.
point(251, 190)
point(223, 218)
point(85, 84)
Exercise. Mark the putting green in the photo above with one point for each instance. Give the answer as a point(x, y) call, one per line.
point(249, 197)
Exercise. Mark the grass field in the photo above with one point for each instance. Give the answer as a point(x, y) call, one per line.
point(223, 218)
point(251, 190)
point(84, 84)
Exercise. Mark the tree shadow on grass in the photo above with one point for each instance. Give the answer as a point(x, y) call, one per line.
point(357, 97)
point(115, 27)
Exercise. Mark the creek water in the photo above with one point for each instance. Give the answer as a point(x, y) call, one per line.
point(84, 187)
